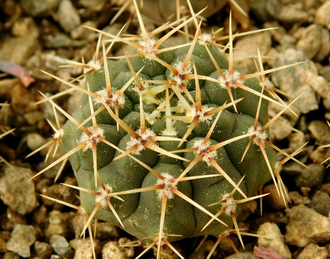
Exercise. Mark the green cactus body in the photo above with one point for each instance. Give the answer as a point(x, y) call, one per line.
point(170, 105)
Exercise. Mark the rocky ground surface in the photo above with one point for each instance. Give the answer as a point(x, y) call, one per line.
point(38, 35)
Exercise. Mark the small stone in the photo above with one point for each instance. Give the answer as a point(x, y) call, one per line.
point(285, 13)
point(4, 237)
point(319, 84)
point(116, 250)
point(296, 198)
point(39, 7)
point(320, 131)
point(68, 16)
point(313, 251)
point(320, 203)
point(292, 80)
point(85, 250)
point(273, 198)
point(325, 46)
point(10, 255)
point(58, 223)
point(310, 41)
point(25, 26)
point(243, 255)
point(270, 237)
point(322, 15)
point(61, 246)
point(22, 238)
point(19, 49)
point(95, 5)
point(43, 250)
point(106, 230)
point(310, 176)
point(34, 117)
point(306, 226)
point(82, 32)
point(16, 192)
point(248, 47)
point(34, 141)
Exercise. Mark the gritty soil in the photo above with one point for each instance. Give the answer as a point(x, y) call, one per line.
point(41, 35)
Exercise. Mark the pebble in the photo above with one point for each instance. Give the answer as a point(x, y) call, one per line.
point(320, 131)
point(95, 5)
point(296, 198)
point(39, 8)
point(106, 230)
point(4, 237)
point(322, 15)
point(243, 255)
point(273, 198)
point(58, 223)
point(22, 238)
point(247, 47)
point(313, 251)
point(25, 26)
point(19, 49)
point(16, 192)
point(310, 41)
point(10, 218)
point(42, 249)
point(117, 250)
point(34, 141)
point(320, 203)
point(61, 246)
point(325, 46)
point(270, 237)
point(292, 80)
point(310, 176)
point(285, 13)
point(319, 84)
point(68, 16)
point(84, 250)
point(306, 226)
point(82, 32)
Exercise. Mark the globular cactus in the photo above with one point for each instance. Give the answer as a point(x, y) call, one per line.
point(168, 142)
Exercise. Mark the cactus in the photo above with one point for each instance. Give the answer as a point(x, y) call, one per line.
point(169, 142)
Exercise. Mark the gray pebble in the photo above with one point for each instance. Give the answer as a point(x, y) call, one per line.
point(68, 16)
point(306, 226)
point(322, 15)
point(319, 84)
point(22, 238)
point(320, 203)
point(285, 13)
point(311, 176)
point(325, 46)
point(311, 40)
point(39, 7)
point(292, 80)
point(313, 251)
point(16, 191)
point(61, 246)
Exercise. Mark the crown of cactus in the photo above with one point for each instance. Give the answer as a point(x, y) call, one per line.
point(169, 142)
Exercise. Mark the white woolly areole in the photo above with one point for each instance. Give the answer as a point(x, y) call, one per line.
point(259, 135)
point(148, 47)
point(182, 71)
point(169, 132)
point(94, 136)
point(102, 196)
point(58, 134)
point(111, 99)
point(167, 184)
point(94, 64)
point(230, 79)
point(202, 151)
point(205, 38)
point(138, 143)
point(201, 114)
point(229, 204)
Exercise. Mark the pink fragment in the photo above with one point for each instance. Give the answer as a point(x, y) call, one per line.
point(266, 253)
point(16, 70)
